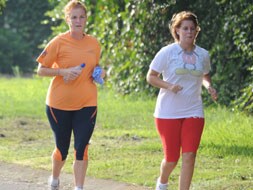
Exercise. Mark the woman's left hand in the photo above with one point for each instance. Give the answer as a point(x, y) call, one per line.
point(213, 93)
point(103, 74)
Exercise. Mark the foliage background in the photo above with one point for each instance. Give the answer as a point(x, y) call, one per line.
point(2, 4)
point(131, 32)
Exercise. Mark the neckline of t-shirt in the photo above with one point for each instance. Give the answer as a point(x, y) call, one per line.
point(73, 39)
point(187, 52)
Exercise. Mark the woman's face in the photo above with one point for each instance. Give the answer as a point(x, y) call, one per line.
point(77, 20)
point(187, 32)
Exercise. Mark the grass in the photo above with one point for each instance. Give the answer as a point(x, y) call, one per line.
point(125, 145)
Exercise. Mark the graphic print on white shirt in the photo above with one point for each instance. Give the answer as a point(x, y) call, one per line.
point(189, 64)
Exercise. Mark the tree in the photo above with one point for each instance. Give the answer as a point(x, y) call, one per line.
point(233, 54)
point(2, 4)
point(132, 31)
point(21, 34)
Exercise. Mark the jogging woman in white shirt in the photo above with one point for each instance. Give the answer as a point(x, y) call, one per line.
point(179, 114)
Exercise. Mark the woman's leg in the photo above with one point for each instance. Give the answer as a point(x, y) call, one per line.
point(191, 134)
point(188, 162)
point(170, 134)
point(80, 168)
point(165, 170)
point(60, 122)
point(56, 168)
point(83, 125)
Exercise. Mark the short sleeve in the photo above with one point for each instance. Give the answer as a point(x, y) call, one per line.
point(48, 56)
point(158, 64)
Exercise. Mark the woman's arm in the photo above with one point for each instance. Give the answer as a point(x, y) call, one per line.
point(154, 79)
point(48, 72)
point(207, 83)
point(69, 74)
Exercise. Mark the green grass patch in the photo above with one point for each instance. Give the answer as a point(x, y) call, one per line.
point(125, 145)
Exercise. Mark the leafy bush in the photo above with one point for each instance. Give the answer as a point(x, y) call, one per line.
point(2, 4)
point(21, 34)
point(14, 52)
point(132, 31)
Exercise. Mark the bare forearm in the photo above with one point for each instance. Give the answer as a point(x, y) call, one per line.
point(207, 81)
point(208, 85)
point(154, 79)
point(44, 71)
point(157, 82)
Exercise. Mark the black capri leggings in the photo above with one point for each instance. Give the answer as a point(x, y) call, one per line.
point(62, 122)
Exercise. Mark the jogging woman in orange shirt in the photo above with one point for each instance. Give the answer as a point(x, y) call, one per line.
point(71, 102)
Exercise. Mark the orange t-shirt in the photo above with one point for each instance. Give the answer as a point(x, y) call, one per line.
point(63, 52)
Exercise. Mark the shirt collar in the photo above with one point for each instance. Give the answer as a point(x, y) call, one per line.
point(180, 50)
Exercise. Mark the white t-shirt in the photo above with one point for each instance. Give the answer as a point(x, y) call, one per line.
point(187, 70)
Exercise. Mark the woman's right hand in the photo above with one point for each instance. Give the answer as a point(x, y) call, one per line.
point(70, 73)
point(174, 88)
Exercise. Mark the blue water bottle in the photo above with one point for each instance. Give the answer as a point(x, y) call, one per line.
point(97, 75)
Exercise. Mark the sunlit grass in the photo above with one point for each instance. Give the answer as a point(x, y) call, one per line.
point(125, 145)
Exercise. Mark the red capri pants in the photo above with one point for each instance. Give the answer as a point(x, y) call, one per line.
point(177, 133)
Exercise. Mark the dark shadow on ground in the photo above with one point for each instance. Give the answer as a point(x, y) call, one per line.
point(233, 150)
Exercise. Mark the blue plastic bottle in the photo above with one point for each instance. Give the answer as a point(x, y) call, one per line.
point(97, 75)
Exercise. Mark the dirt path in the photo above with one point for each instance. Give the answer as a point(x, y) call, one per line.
point(16, 177)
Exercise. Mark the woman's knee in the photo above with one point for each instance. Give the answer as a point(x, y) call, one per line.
point(188, 157)
point(59, 155)
point(167, 164)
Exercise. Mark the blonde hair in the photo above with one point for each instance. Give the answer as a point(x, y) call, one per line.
point(176, 22)
point(72, 4)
